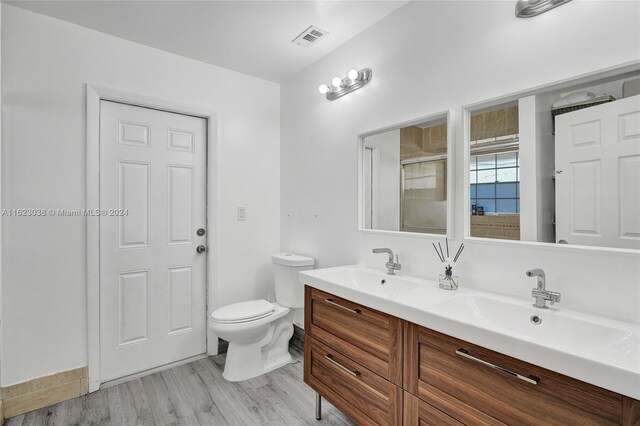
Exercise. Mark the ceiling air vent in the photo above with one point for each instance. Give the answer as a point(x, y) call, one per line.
point(310, 36)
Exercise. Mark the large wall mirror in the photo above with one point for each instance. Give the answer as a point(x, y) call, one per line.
point(405, 177)
point(559, 166)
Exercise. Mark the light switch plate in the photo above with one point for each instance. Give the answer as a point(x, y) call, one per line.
point(242, 213)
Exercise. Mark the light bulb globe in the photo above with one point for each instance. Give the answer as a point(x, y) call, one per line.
point(336, 81)
point(323, 89)
point(352, 74)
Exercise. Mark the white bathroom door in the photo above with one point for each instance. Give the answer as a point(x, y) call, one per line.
point(598, 175)
point(152, 279)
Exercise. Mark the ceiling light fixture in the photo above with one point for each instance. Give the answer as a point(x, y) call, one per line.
point(529, 8)
point(341, 86)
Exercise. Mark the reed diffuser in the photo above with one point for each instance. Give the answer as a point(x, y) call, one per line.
point(448, 281)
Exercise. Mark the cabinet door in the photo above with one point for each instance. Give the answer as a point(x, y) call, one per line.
point(457, 378)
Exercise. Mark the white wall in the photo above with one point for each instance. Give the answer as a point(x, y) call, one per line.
point(1, 204)
point(386, 185)
point(528, 171)
point(545, 168)
point(45, 65)
point(428, 57)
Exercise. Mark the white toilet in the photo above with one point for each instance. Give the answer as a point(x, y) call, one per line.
point(258, 331)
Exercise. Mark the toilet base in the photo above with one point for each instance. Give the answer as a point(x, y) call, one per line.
point(246, 361)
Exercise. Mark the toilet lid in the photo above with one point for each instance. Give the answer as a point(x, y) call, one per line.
point(243, 311)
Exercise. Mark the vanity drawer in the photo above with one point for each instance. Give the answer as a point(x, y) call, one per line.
point(369, 337)
point(419, 413)
point(361, 394)
point(460, 379)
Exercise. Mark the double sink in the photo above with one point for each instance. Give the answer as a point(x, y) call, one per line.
point(593, 349)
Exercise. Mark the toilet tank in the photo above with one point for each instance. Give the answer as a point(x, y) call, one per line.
point(289, 292)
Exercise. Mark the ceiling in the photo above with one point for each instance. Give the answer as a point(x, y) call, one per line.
point(252, 37)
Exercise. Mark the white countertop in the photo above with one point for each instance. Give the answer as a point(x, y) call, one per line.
point(593, 349)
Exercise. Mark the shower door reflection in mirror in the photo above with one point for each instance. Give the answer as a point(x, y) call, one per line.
point(404, 180)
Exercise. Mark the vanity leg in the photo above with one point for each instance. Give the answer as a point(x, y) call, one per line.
point(318, 406)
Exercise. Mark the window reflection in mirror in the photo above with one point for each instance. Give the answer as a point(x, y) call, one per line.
point(404, 178)
point(494, 173)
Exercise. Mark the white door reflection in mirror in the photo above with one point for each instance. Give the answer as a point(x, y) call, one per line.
point(598, 175)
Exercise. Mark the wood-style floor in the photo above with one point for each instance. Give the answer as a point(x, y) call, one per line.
point(194, 394)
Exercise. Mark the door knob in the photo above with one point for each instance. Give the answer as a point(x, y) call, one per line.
point(200, 232)
point(201, 248)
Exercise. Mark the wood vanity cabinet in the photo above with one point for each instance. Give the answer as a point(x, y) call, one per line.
point(379, 369)
point(353, 358)
point(480, 386)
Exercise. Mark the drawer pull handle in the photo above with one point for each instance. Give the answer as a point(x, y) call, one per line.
point(529, 379)
point(354, 373)
point(331, 302)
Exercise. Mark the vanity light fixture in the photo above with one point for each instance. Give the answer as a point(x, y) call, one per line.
point(341, 86)
point(529, 8)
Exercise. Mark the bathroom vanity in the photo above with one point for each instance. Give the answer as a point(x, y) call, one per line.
point(384, 366)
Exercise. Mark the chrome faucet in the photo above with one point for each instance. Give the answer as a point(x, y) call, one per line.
point(540, 293)
point(391, 265)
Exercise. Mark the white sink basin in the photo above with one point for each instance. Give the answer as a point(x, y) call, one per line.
point(554, 327)
point(368, 280)
point(597, 350)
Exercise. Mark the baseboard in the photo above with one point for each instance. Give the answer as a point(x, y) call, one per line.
point(43, 391)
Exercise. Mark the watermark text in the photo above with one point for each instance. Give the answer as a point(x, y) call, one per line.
point(63, 212)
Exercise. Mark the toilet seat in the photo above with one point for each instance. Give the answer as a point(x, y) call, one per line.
point(235, 313)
